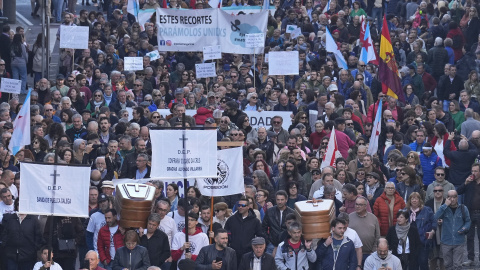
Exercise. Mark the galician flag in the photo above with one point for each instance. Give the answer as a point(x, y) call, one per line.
point(367, 54)
point(21, 127)
point(332, 47)
point(327, 7)
point(332, 152)
point(376, 129)
point(266, 4)
point(132, 7)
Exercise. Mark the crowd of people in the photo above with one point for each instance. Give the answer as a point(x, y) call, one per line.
point(413, 203)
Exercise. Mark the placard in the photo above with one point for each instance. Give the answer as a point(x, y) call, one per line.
point(205, 70)
point(66, 196)
point(133, 63)
point(296, 33)
point(212, 52)
point(74, 37)
point(290, 28)
point(264, 118)
point(154, 55)
point(179, 154)
point(11, 86)
point(283, 63)
point(255, 40)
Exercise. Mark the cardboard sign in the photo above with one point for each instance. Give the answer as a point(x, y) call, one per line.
point(11, 86)
point(206, 70)
point(212, 52)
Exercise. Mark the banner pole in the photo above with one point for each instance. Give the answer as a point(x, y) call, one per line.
point(73, 60)
point(185, 188)
point(254, 61)
point(211, 216)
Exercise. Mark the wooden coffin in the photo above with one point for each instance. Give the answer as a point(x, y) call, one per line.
point(133, 203)
point(315, 218)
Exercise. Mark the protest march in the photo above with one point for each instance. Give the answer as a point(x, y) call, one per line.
point(241, 134)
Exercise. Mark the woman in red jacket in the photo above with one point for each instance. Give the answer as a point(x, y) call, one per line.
point(438, 142)
point(386, 206)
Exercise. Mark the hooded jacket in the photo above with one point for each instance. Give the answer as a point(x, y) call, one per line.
point(374, 262)
point(345, 259)
point(428, 167)
point(242, 230)
point(287, 258)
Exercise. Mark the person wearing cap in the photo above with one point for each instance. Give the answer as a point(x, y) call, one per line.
point(108, 187)
point(179, 97)
point(258, 258)
point(96, 221)
point(207, 258)
point(60, 85)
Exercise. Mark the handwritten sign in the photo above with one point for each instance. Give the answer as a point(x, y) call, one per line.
point(212, 52)
point(255, 40)
point(206, 70)
point(11, 86)
point(133, 63)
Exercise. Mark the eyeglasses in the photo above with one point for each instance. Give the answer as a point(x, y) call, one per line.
point(71, 80)
point(233, 76)
point(303, 117)
point(137, 85)
point(48, 110)
point(349, 124)
point(98, 95)
point(149, 100)
point(438, 190)
point(402, 173)
point(316, 173)
point(276, 122)
point(440, 174)
point(362, 65)
point(361, 144)
point(254, 97)
point(156, 117)
point(223, 122)
point(246, 120)
point(359, 79)
point(242, 205)
point(361, 173)
point(411, 156)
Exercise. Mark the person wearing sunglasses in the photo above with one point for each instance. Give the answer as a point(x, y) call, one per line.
point(438, 199)
point(429, 161)
point(243, 226)
point(440, 180)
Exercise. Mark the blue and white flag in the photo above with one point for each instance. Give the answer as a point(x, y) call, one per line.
point(21, 127)
point(377, 128)
point(266, 4)
point(332, 47)
point(367, 54)
point(133, 7)
point(327, 7)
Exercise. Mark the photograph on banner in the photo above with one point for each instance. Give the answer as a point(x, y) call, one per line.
point(74, 37)
point(178, 154)
point(255, 40)
point(205, 70)
point(67, 196)
point(212, 52)
point(264, 118)
point(11, 86)
point(283, 63)
point(191, 30)
point(166, 182)
point(133, 63)
point(229, 180)
point(167, 112)
point(154, 55)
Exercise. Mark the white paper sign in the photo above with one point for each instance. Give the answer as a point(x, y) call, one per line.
point(166, 112)
point(190, 182)
point(67, 196)
point(255, 40)
point(296, 33)
point(74, 37)
point(264, 118)
point(179, 154)
point(11, 86)
point(130, 113)
point(290, 28)
point(283, 63)
point(312, 118)
point(205, 70)
point(133, 63)
point(212, 52)
point(154, 55)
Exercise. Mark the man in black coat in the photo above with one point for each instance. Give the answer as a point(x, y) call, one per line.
point(5, 44)
point(207, 258)
point(155, 241)
point(274, 221)
point(258, 255)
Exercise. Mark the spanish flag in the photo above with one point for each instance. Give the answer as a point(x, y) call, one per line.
point(387, 69)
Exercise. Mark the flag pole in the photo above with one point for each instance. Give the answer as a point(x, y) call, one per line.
point(211, 217)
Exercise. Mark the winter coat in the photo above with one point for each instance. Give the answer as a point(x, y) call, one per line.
point(374, 261)
point(382, 211)
point(428, 167)
point(24, 239)
point(272, 226)
point(346, 257)
point(242, 230)
point(137, 258)
point(202, 115)
point(437, 58)
point(103, 243)
point(404, 191)
point(414, 245)
point(266, 262)
point(65, 228)
point(157, 246)
point(209, 253)
point(287, 258)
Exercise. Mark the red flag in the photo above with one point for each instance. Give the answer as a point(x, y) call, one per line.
point(332, 152)
point(164, 4)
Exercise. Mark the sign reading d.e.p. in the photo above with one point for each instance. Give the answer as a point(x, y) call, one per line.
point(11, 86)
point(205, 70)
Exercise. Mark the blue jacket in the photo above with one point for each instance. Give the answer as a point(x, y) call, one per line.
point(428, 166)
point(425, 223)
point(452, 223)
point(414, 146)
point(405, 150)
point(368, 77)
point(346, 256)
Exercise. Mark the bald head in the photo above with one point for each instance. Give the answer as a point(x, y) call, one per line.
point(96, 175)
point(463, 145)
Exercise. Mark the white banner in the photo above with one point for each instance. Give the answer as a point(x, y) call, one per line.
point(205, 70)
point(133, 63)
point(166, 182)
point(283, 63)
point(11, 86)
point(212, 52)
point(67, 196)
point(229, 178)
point(74, 37)
point(255, 40)
point(179, 154)
point(191, 30)
point(264, 118)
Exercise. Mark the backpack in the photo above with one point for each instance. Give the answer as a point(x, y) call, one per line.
point(462, 208)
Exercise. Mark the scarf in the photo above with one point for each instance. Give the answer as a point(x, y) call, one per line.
point(108, 99)
point(413, 214)
point(97, 104)
point(371, 190)
point(402, 232)
point(410, 98)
